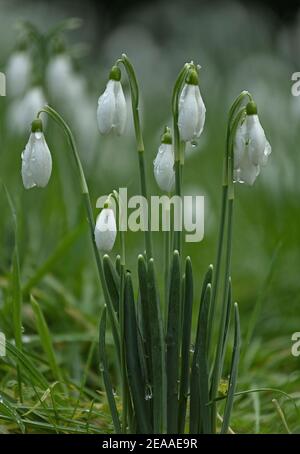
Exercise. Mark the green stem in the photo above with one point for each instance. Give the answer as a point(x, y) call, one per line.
point(90, 217)
point(217, 371)
point(217, 271)
point(134, 89)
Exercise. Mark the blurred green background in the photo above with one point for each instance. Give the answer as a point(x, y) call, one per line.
point(239, 47)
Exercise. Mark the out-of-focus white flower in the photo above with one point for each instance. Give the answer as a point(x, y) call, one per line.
point(164, 164)
point(105, 230)
point(251, 149)
point(22, 111)
point(59, 75)
point(112, 111)
point(191, 108)
point(36, 159)
point(18, 73)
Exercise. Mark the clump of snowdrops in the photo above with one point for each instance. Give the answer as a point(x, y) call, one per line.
point(165, 386)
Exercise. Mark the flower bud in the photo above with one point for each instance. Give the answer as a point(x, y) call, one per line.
point(112, 110)
point(164, 163)
point(192, 110)
point(36, 158)
point(251, 148)
point(105, 230)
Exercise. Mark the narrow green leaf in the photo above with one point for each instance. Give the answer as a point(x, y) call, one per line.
point(186, 343)
point(144, 313)
point(157, 353)
point(199, 388)
point(233, 370)
point(113, 281)
point(134, 369)
point(172, 344)
point(227, 323)
point(29, 369)
point(45, 339)
point(201, 352)
point(105, 374)
point(7, 409)
point(118, 264)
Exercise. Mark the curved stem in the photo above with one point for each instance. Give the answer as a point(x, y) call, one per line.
point(177, 148)
point(90, 217)
point(134, 89)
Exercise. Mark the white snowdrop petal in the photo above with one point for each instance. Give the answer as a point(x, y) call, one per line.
point(36, 162)
point(164, 168)
point(105, 230)
point(106, 109)
point(201, 111)
point(248, 172)
point(266, 154)
point(188, 113)
point(256, 137)
point(121, 109)
point(251, 150)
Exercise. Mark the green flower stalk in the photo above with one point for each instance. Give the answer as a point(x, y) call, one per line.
point(90, 217)
point(134, 89)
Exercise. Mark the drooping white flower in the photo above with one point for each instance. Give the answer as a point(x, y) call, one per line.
point(112, 111)
point(22, 111)
point(36, 159)
point(191, 109)
point(251, 149)
point(18, 73)
point(59, 75)
point(105, 230)
point(164, 164)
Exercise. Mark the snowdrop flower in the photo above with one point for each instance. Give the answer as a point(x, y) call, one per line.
point(191, 108)
point(112, 112)
point(105, 229)
point(36, 158)
point(164, 163)
point(251, 149)
point(59, 74)
point(18, 73)
point(22, 111)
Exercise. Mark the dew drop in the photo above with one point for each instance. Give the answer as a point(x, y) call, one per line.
point(148, 393)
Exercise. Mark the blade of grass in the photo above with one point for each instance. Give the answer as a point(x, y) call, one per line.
point(281, 415)
point(6, 409)
point(45, 339)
